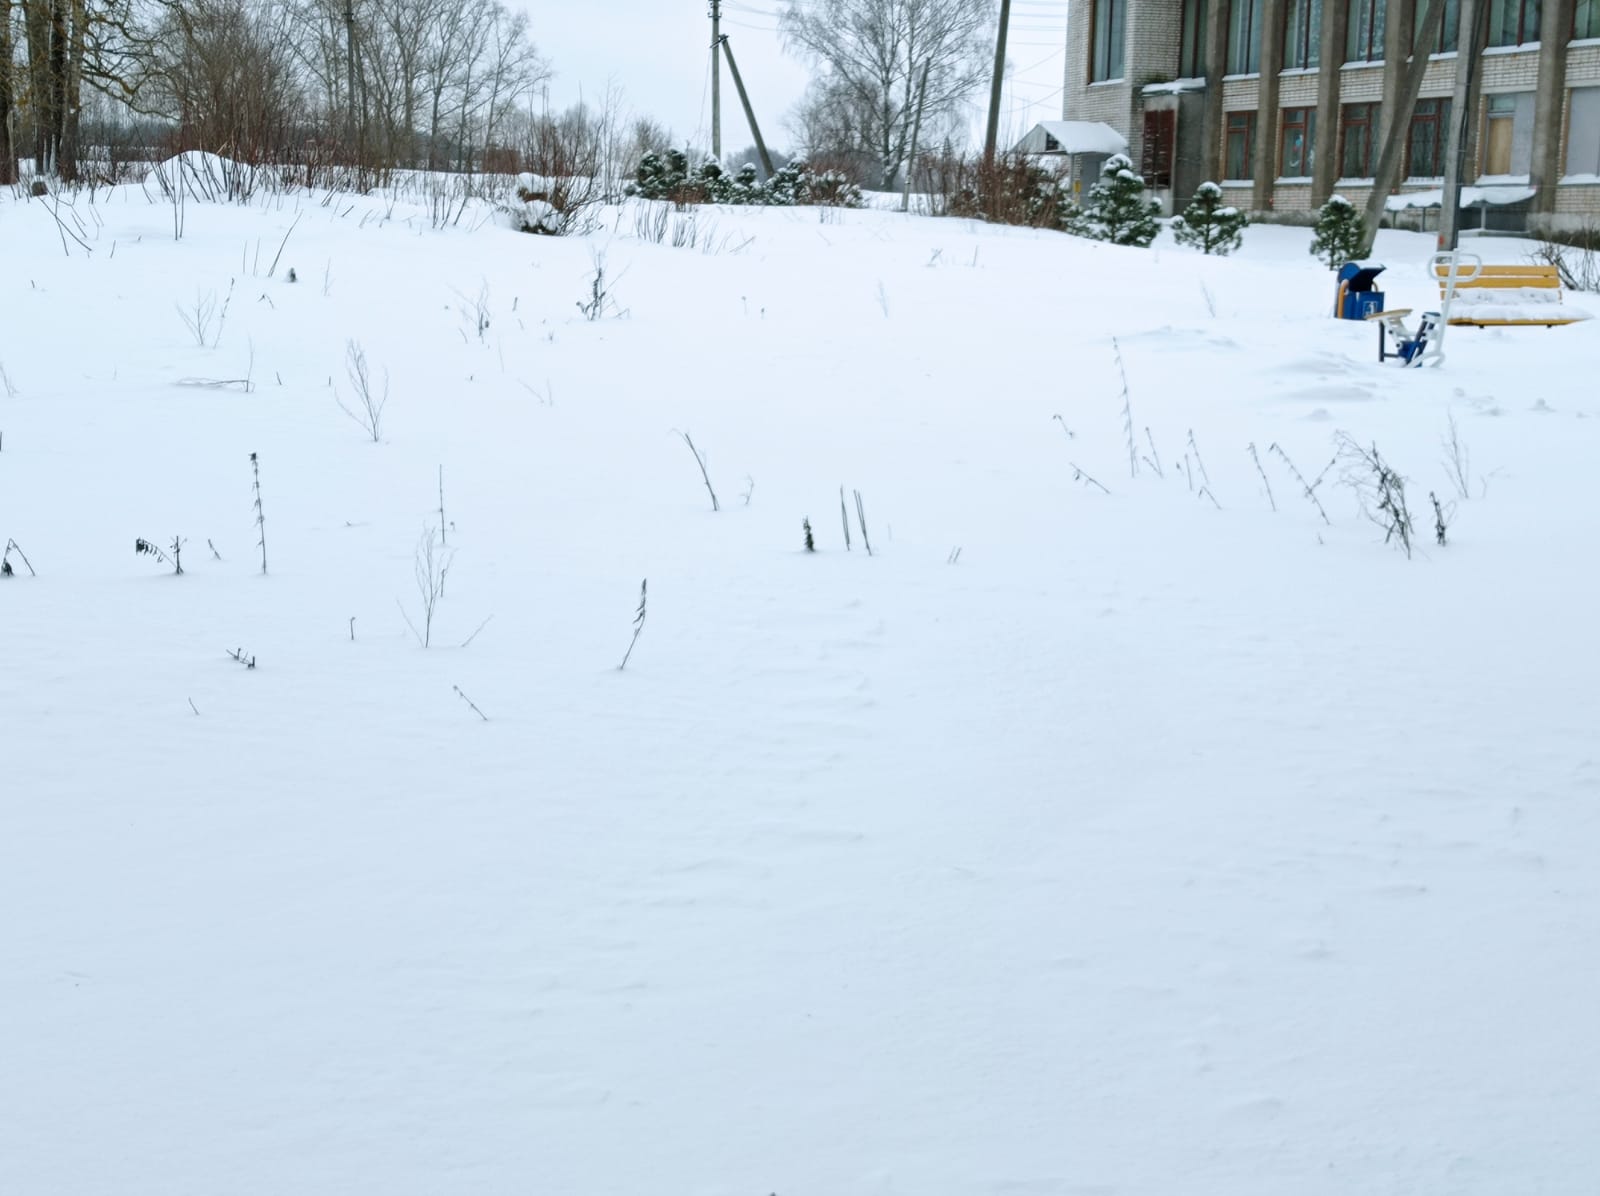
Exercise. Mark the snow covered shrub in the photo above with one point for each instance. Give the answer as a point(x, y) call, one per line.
point(794, 183)
point(562, 186)
point(1208, 224)
point(1339, 230)
point(657, 179)
point(1117, 210)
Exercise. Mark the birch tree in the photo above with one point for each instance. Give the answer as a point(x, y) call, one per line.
point(871, 55)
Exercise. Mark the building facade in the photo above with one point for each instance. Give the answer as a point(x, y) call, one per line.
point(1285, 102)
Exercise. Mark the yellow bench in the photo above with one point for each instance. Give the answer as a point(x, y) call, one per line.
point(1507, 297)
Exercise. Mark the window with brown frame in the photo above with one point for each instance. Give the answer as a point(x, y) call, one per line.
point(1364, 31)
point(1358, 128)
point(1425, 145)
point(1298, 151)
point(1447, 39)
point(1513, 22)
point(1302, 35)
point(1240, 156)
point(1192, 40)
point(1107, 32)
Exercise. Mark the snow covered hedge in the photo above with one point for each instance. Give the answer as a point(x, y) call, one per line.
point(670, 178)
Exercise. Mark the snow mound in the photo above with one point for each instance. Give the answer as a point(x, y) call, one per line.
point(1522, 304)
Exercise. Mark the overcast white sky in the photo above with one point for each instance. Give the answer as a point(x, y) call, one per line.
point(658, 53)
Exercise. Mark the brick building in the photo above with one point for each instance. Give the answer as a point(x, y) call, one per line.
point(1283, 102)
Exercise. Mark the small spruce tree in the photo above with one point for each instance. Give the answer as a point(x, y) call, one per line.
point(1208, 224)
point(1338, 231)
point(1117, 210)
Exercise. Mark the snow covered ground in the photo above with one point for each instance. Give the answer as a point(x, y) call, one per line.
point(1153, 846)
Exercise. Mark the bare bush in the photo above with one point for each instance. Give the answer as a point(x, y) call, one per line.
point(430, 566)
point(1457, 459)
point(367, 404)
point(1013, 189)
point(1576, 256)
point(1379, 488)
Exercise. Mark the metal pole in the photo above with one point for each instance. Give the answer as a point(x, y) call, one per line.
point(1470, 42)
point(749, 112)
point(993, 133)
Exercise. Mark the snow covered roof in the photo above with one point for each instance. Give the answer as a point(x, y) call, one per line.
point(1469, 197)
point(1073, 137)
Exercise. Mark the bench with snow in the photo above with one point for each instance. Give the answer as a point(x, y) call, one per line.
point(1507, 297)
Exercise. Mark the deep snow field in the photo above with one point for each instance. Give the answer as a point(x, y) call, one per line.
point(1153, 847)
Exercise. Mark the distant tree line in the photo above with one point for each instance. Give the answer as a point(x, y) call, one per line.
point(431, 84)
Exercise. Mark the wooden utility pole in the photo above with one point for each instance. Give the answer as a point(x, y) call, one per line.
point(716, 79)
point(993, 133)
point(1470, 46)
point(916, 133)
point(749, 112)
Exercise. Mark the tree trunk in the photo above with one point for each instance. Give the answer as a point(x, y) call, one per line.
point(1398, 123)
point(36, 23)
point(72, 96)
point(350, 75)
point(8, 149)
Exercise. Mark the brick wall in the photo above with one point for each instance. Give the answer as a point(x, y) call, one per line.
point(1151, 55)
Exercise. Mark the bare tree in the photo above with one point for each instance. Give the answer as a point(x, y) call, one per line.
point(873, 54)
point(8, 149)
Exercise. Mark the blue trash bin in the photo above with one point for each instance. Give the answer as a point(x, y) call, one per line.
point(1358, 296)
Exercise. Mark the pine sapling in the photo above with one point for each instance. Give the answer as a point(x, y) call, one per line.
point(1210, 226)
point(638, 623)
point(811, 543)
point(1118, 209)
point(1340, 230)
